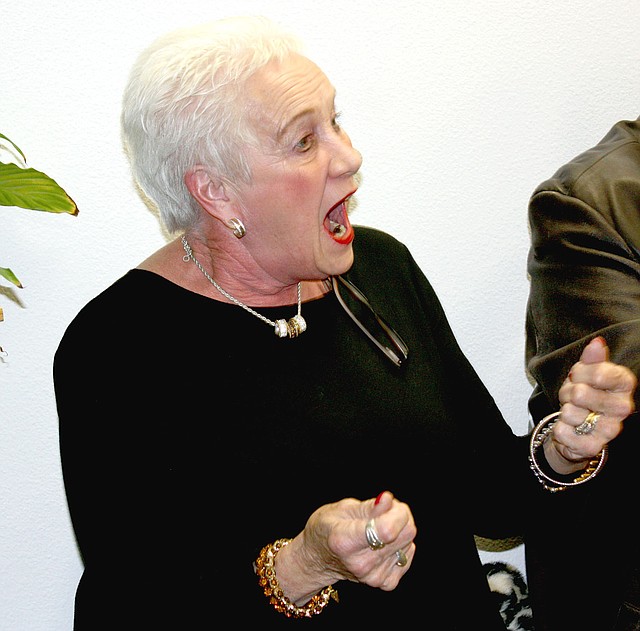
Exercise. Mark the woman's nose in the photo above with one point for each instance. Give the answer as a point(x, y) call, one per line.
point(347, 160)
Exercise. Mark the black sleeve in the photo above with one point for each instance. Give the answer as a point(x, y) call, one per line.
point(117, 454)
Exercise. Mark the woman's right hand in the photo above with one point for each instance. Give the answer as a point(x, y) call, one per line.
point(333, 546)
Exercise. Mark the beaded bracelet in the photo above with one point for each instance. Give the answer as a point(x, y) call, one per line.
point(264, 567)
point(538, 438)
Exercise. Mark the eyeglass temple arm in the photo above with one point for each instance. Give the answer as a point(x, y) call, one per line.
point(387, 351)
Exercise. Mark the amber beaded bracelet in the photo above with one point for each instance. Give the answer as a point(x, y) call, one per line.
point(264, 567)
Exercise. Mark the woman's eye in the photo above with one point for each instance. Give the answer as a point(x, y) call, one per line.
point(304, 143)
point(336, 120)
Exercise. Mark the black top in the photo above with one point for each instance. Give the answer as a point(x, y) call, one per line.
point(191, 436)
point(584, 264)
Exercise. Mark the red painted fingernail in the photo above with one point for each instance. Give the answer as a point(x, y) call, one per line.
point(378, 499)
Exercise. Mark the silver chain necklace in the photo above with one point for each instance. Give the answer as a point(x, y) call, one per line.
point(283, 328)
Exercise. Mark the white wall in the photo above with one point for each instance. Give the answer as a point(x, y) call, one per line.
point(460, 109)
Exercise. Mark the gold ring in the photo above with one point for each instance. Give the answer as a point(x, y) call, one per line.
point(588, 425)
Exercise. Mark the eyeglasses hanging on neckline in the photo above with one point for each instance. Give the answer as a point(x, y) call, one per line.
point(385, 338)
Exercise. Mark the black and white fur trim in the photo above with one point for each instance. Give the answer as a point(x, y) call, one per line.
point(511, 595)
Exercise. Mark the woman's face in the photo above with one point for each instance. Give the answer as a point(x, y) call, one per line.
point(295, 207)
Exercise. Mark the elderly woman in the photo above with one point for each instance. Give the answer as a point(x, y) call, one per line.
point(257, 416)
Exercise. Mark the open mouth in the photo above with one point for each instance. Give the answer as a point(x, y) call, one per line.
point(337, 223)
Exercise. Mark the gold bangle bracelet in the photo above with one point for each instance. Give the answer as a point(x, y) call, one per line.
point(538, 438)
point(264, 567)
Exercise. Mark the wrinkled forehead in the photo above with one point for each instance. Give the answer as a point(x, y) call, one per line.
point(283, 91)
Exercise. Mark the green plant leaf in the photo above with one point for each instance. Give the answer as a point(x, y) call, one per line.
point(13, 144)
point(6, 273)
point(34, 190)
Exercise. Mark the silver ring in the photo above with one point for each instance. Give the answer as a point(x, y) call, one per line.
point(401, 558)
point(374, 541)
point(588, 425)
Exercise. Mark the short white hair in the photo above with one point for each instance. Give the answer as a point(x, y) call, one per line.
point(184, 105)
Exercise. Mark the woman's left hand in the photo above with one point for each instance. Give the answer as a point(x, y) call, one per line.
point(596, 397)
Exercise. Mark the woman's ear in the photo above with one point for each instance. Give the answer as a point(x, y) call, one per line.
point(207, 189)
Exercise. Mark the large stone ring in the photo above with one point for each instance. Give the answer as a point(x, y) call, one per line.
point(401, 558)
point(374, 541)
point(588, 425)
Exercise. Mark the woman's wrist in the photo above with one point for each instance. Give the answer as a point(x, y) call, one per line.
point(540, 452)
point(306, 604)
point(294, 576)
point(557, 463)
